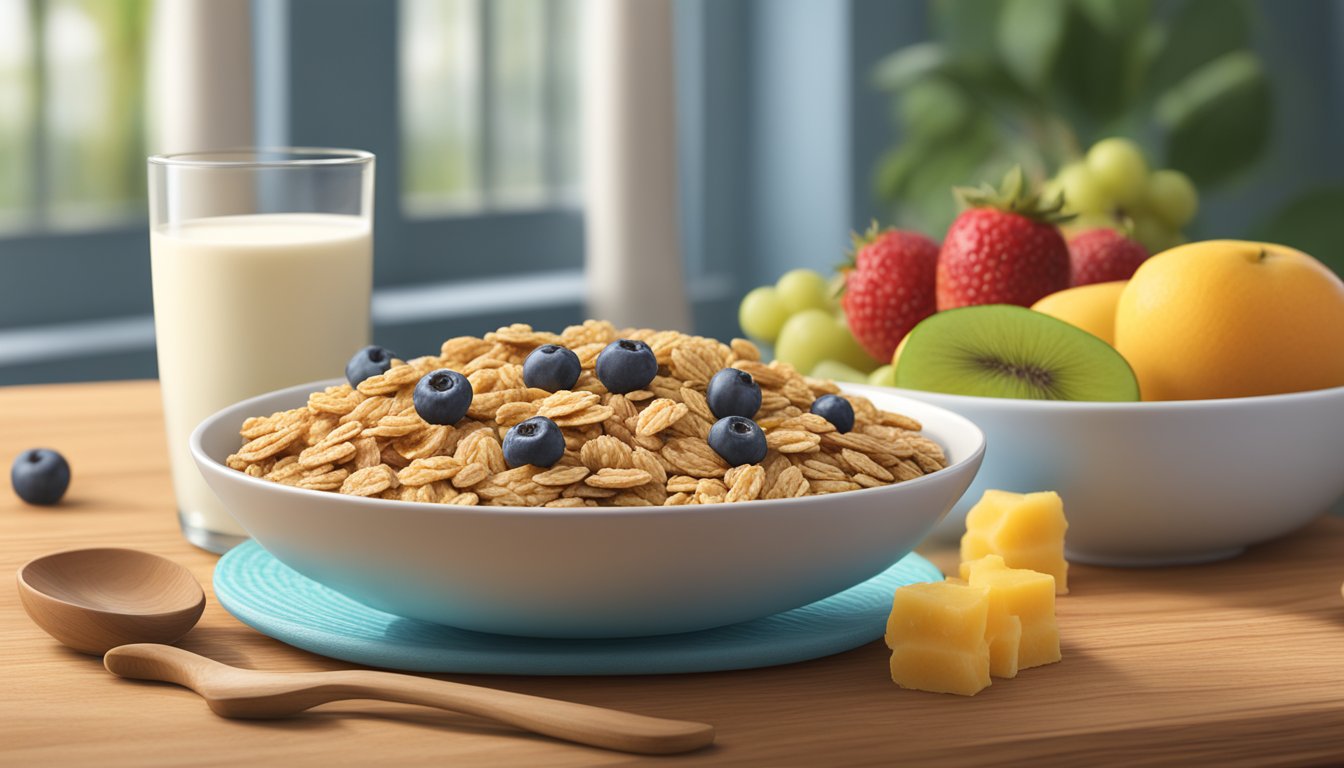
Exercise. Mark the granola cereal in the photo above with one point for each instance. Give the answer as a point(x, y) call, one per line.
point(642, 448)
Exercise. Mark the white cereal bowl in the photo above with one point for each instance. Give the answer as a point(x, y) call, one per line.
point(1160, 483)
point(589, 572)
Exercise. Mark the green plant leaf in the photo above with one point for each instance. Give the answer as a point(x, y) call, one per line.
point(1091, 73)
point(1144, 48)
point(1217, 118)
point(1310, 223)
point(968, 28)
point(1118, 18)
point(935, 106)
point(1030, 33)
point(1200, 31)
point(928, 169)
point(909, 65)
point(893, 169)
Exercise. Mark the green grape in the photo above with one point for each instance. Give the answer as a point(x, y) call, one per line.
point(1086, 221)
point(761, 314)
point(1155, 234)
point(1119, 168)
point(802, 289)
point(883, 376)
point(1051, 188)
point(1082, 194)
point(1171, 195)
point(807, 338)
point(850, 352)
point(838, 371)
point(834, 288)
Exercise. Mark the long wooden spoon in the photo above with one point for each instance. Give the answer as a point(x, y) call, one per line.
point(123, 603)
point(245, 693)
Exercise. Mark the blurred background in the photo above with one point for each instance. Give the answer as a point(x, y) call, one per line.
point(797, 122)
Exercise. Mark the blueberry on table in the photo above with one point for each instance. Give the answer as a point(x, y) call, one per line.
point(442, 396)
point(40, 476)
point(738, 440)
point(836, 410)
point(537, 441)
point(369, 361)
point(551, 367)
point(733, 393)
point(626, 365)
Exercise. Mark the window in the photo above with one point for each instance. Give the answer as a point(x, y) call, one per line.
point(472, 107)
point(74, 296)
point(72, 93)
point(478, 222)
point(489, 108)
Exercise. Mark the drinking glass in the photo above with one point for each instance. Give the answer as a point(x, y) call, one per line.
point(262, 265)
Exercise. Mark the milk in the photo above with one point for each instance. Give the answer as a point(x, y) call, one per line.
point(244, 305)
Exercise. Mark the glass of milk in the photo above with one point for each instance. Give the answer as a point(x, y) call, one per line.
point(262, 264)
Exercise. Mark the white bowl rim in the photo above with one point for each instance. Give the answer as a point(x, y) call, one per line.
point(199, 454)
point(1129, 405)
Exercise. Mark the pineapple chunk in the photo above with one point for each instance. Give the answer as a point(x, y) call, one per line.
point(936, 633)
point(1026, 530)
point(1016, 593)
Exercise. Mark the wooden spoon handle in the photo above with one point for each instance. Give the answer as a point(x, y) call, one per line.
point(246, 693)
point(596, 726)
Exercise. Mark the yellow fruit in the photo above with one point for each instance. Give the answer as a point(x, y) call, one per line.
point(1090, 307)
point(1230, 318)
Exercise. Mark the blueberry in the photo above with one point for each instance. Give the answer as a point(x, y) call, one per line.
point(369, 361)
point(442, 396)
point(738, 440)
point(537, 441)
point(626, 365)
point(40, 476)
point(733, 393)
point(836, 410)
point(551, 367)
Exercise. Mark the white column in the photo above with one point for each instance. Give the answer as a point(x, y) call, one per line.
point(201, 75)
point(634, 263)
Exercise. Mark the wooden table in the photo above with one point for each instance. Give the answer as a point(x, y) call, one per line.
point(1237, 663)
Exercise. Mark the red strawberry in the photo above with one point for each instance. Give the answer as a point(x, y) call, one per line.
point(889, 287)
point(1004, 249)
point(1103, 255)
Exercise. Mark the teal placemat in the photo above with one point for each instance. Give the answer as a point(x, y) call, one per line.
point(277, 601)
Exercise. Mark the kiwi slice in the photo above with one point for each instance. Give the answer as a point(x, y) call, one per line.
point(1000, 350)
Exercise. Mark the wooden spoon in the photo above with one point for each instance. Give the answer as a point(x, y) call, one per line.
point(246, 693)
point(96, 599)
point(122, 602)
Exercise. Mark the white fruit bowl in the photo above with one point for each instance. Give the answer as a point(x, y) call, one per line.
point(1157, 483)
point(594, 572)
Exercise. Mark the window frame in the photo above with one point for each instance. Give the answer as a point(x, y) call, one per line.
point(310, 91)
point(321, 79)
point(505, 241)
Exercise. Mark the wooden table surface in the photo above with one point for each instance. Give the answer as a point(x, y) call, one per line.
point(1236, 663)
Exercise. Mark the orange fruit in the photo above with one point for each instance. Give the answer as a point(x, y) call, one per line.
point(1230, 318)
point(1090, 307)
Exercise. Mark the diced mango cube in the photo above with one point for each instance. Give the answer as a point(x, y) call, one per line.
point(1026, 530)
point(936, 633)
point(1027, 595)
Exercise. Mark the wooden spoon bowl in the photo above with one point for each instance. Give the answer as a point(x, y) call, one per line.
point(93, 600)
